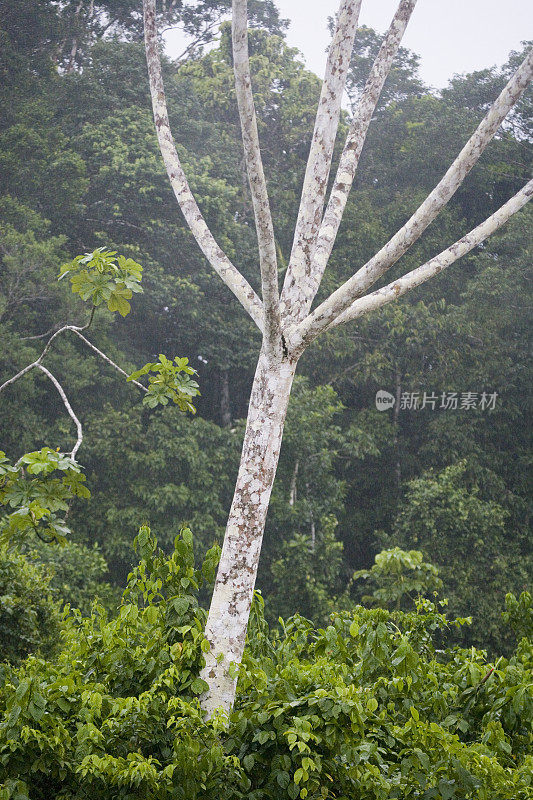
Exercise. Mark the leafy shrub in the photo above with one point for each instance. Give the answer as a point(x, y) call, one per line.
point(365, 707)
point(398, 577)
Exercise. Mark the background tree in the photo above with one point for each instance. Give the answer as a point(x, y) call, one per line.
point(440, 509)
point(399, 578)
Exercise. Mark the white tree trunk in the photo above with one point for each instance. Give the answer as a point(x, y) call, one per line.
point(230, 605)
point(287, 326)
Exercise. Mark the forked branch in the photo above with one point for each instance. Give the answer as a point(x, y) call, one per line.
point(349, 160)
point(193, 216)
point(293, 306)
point(78, 331)
point(437, 264)
point(47, 346)
point(256, 177)
point(345, 295)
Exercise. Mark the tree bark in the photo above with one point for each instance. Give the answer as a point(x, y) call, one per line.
point(225, 405)
point(396, 421)
point(230, 605)
point(293, 493)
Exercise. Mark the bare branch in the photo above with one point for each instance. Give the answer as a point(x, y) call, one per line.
point(78, 331)
point(345, 295)
point(319, 161)
point(256, 178)
point(193, 216)
point(19, 375)
point(349, 161)
point(41, 335)
point(67, 406)
point(106, 358)
point(37, 361)
point(437, 264)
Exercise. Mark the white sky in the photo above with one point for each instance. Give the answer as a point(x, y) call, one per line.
point(451, 36)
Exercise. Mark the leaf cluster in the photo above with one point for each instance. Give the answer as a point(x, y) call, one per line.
point(368, 706)
point(104, 277)
point(171, 381)
point(398, 576)
point(30, 616)
point(39, 487)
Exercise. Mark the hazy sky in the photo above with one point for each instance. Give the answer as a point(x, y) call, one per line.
point(451, 36)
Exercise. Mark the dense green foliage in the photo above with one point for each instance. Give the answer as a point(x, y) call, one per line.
point(80, 172)
point(29, 616)
point(369, 706)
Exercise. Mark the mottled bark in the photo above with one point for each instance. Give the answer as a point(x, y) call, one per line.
point(189, 207)
point(324, 316)
point(233, 592)
point(435, 265)
point(351, 154)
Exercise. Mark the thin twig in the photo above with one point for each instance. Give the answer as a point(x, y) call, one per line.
point(47, 346)
point(77, 330)
point(109, 361)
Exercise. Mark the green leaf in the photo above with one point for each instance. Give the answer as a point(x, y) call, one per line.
point(199, 686)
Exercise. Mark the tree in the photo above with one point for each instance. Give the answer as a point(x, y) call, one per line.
point(285, 319)
point(447, 516)
point(398, 577)
point(29, 616)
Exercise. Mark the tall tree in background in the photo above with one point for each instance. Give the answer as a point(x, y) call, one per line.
point(285, 319)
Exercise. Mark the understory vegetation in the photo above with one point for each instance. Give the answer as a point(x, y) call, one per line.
point(373, 705)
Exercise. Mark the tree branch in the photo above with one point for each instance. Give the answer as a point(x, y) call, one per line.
point(193, 216)
point(256, 178)
point(437, 264)
point(68, 407)
point(106, 358)
point(349, 161)
point(78, 331)
point(37, 362)
point(319, 161)
point(345, 295)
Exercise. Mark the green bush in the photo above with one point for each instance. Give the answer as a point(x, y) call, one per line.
point(29, 617)
point(366, 707)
